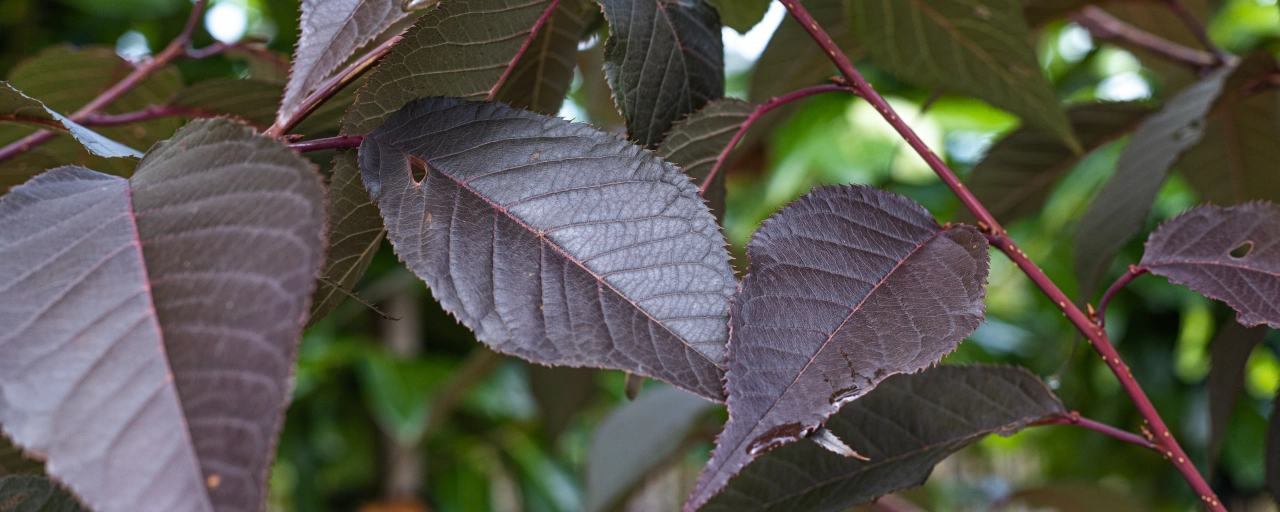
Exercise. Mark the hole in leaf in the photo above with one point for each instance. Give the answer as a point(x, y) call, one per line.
point(1242, 250)
point(417, 170)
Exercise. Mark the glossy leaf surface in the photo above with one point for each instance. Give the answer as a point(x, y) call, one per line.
point(906, 425)
point(1118, 211)
point(847, 286)
point(974, 47)
point(664, 60)
point(331, 31)
point(173, 302)
point(1230, 254)
point(555, 242)
point(1018, 173)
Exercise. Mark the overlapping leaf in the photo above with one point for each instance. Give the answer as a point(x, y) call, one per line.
point(847, 286)
point(978, 48)
point(635, 439)
point(150, 365)
point(1118, 211)
point(741, 15)
point(1016, 176)
point(31, 493)
point(697, 143)
point(905, 426)
point(1229, 352)
point(355, 233)
point(664, 60)
point(462, 48)
point(555, 242)
point(331, 31)
point(1230, 254)
point(541, 77)
point(253, 101)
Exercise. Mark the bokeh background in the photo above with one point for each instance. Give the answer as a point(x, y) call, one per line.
point(413, 414)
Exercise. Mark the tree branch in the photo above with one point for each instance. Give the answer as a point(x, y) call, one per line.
point(1197, 28)
point(760, 111)
point(1109, 28)
point(987, 223)
point(341, 141)
point(331, 86)
point(1128, 277)
point(1074, 419)
point(176, 47)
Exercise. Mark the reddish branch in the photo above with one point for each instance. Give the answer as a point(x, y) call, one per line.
point(1197, 28)
point(1128, 277)
point(1109, 28)
point(176, 48)
point(1097, 337)
point(341, 141)
point(1074, 419)
point(331, 86)
point(760, 111)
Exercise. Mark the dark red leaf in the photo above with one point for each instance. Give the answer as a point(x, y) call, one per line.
point(555, 242)
point(697, 142)
point(1230, 254)
point(155, 319)
point(905, 426)
point(847, 286)
point(664, 60)
point(1228, 354)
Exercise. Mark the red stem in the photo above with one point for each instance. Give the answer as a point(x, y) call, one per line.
point(341, 141)
point(176, 47)
point(986, 222)
point(331, 86)
point(760, 111)
point(1109, 28)
point(1074, 419)
point(528, 41)
point(51, 123)
point(152, 112)
point(1128, 277)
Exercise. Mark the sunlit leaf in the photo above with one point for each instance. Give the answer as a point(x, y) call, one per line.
point(1016, 176)
point(906, 425)
point(635, 439)
point(155, 319)
point(330, 31)
point(1230, 254)
point(976, 47)
point(664, 60)
point(553, 241)
point(1229, 351)
point(1118, 211)
point(847, 286)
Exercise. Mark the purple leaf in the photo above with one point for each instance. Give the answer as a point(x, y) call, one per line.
point(1228, 354)
point(555, 242)
point(1229, 254)
point(847, 286)
point(696, 144)
point(155, 319)
point(905, 426)
point(541, 76)
point(664, 60)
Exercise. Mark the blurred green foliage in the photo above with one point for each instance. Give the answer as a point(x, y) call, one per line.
point(365, 406)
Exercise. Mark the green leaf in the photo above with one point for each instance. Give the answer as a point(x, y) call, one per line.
point(697, 143)
point(1016, 176)
point(792, 60)
point(540, 79)
point(399, 392)
point(905, 426)
point(1239, 155)
point(1273, 451)
point(664, 60)
point(975, 47)
point(252, 101)
point(462, 48)
point(1120, 208)
point(19, 107)
point(635, 439)
point(561, 392)
point(741, 15)
point(355, 233)
point(33, 493)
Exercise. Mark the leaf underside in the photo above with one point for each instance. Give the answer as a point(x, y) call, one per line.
point(1195, 249)
point(664, 60)
point(696, 143)
point(1118, 211)
point(331, 31)
point(1017, 175)
point(555, 242)
point(978, 48)
point(905, 426)
point(171, 305)
point(847, 286)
